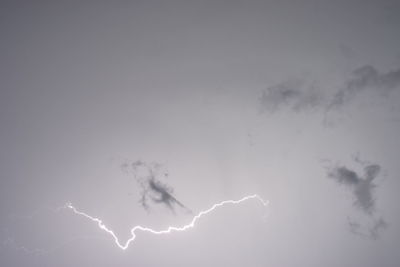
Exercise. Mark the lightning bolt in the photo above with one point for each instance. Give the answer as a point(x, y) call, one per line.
point(170, 229)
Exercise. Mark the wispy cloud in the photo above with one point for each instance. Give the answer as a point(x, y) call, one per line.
point(364, 78)
point(291, 93)
point(297, 95)
point(363, 188)
point(361, 185)
point(148, 176)
point(372, 232)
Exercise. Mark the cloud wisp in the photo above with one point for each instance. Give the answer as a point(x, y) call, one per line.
point(364, 78)
point(361, 185)
point(297, 96)
point(147, 176)
point(363, 188)
point(293, 94)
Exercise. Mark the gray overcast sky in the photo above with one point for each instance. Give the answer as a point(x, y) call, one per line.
point(139, 112)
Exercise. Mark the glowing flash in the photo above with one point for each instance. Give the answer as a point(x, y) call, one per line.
point(170, 229)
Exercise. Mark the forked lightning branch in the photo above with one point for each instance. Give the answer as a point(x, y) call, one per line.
point(168, 230)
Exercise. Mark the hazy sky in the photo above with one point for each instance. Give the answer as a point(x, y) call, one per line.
point(147, 112)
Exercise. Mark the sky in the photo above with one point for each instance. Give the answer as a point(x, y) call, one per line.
point(149, 112)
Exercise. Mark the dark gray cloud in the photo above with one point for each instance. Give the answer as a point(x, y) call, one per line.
point(361, 185)
point(148, 176)
point(363, 189)
point(297, 96)
point(363, 78)
point(293, 94)
point(162, 193)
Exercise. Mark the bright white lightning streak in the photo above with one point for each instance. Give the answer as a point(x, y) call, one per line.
point(170, 229)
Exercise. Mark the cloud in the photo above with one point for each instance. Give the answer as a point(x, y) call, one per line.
point(377, 228)
point(362, 185)
point(293, 94)
point(162, 193)
point(298, 96)
point(363, 78)
point(363, 189)
point(148, 176)
point(345, 176)
point(373, 232)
